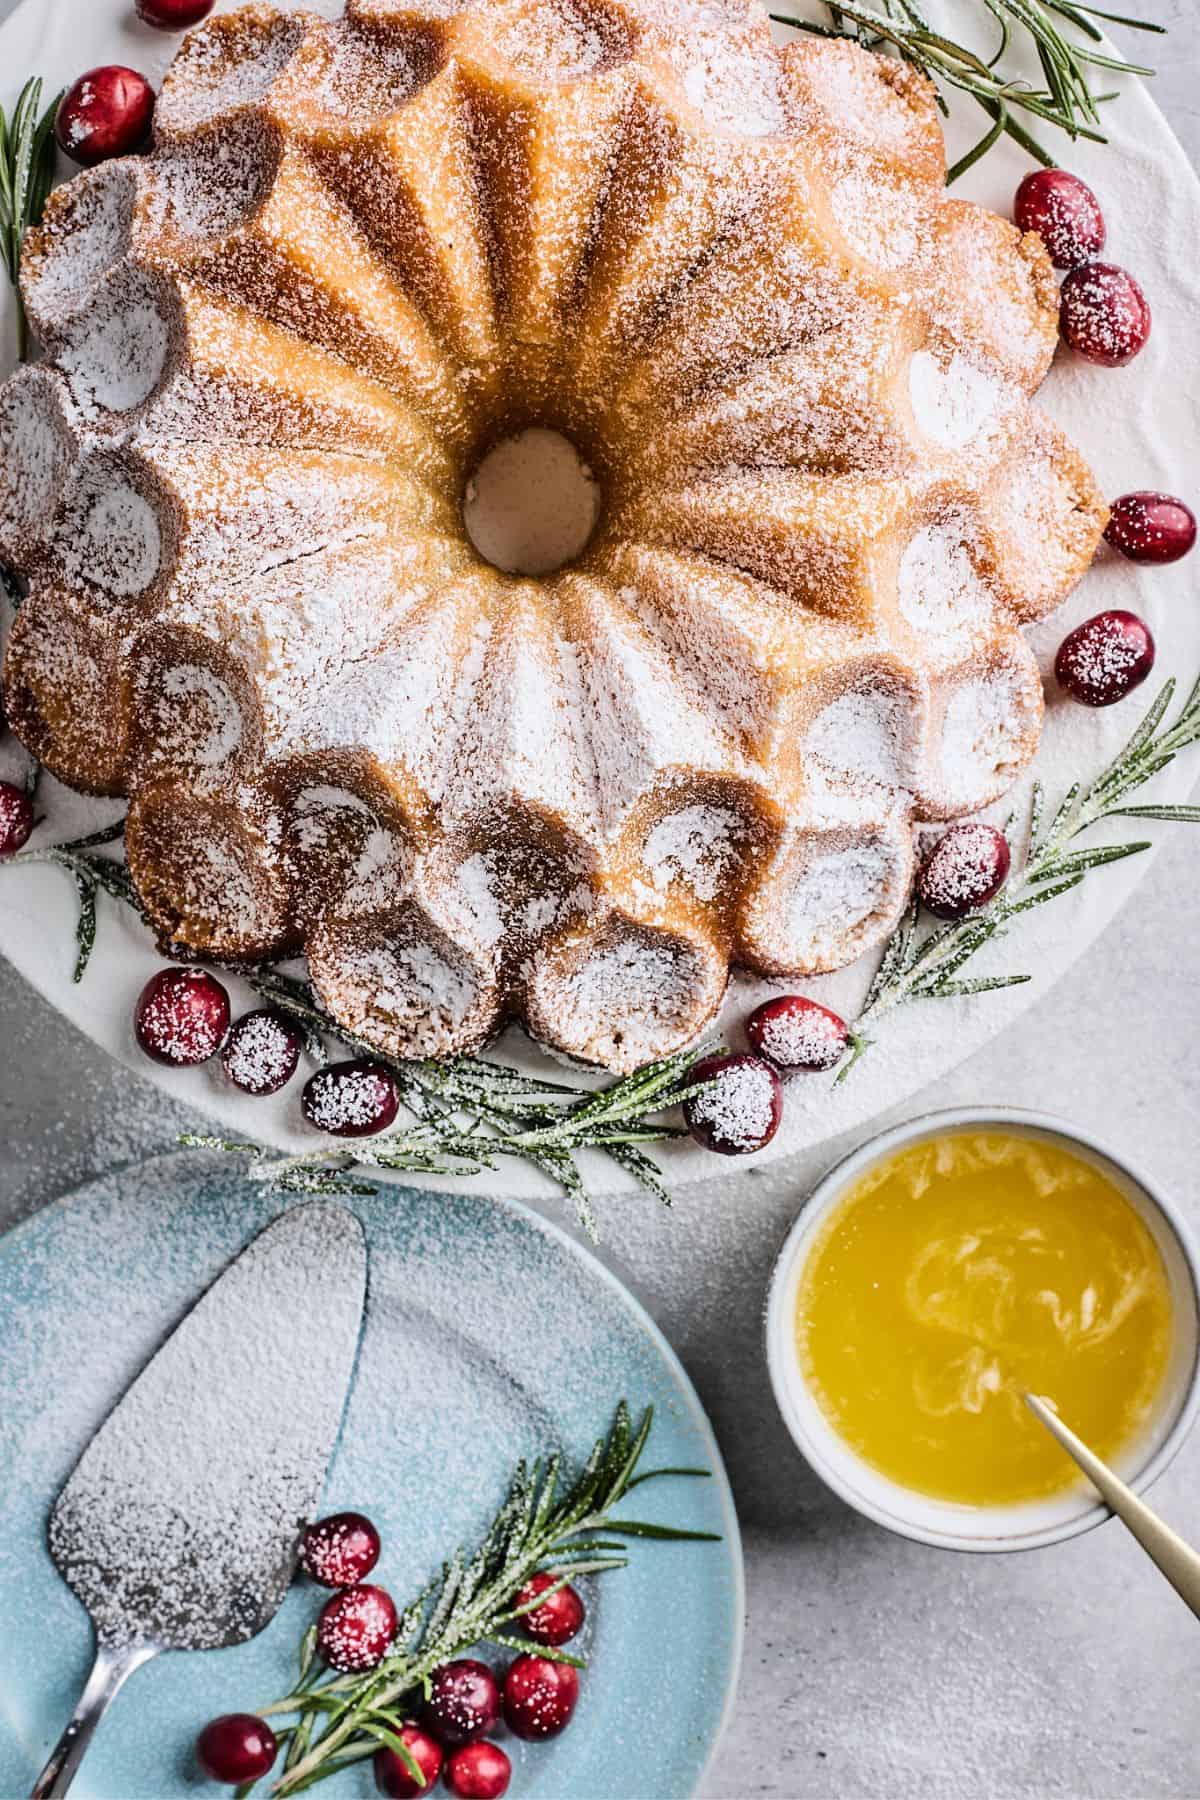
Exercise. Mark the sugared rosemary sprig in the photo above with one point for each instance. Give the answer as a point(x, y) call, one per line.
point(926, 965)
point(470, 1111)
point(26, 175)
point(1064, 36)
point(341, 1719)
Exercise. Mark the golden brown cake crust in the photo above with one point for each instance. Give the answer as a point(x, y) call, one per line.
point(362, 251)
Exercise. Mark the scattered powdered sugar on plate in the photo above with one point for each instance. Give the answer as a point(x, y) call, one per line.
point(487, 1337)
point(178, 1526)
point(1134, 424)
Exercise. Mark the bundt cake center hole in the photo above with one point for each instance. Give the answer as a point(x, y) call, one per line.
point(532, 503)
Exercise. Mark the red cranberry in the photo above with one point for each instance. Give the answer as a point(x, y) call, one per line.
point(236, 1747)
point(262, 1052)
point(558, 1619)
point(182, 1017)
point(1105, 316)
point(478, 1772)
point(968, 867)
point(106, 113)
point(464, 1701)
point(1105, 658)
point(16, 818)
point(351, 1099)
point(539, 1696)
point(393, 1776)
point(356, 1627)
point(340, 1551)
point(1065, 214)
point(740, 1111)
point(795, 1033)
point(173, 15)
point(1151, 528)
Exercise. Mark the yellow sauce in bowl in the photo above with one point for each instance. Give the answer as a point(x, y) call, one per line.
point(962, 1272)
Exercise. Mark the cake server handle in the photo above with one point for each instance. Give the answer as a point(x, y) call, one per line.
point(1166, 1549)
point(109, 1673)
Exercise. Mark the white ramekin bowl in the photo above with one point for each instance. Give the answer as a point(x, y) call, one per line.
point(938, 1522)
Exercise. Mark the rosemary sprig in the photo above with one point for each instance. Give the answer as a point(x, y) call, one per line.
point(463, 1132)
point(468, 1111)
point(1063, 34)
point(920, 965)
point(472, 1110)
point(570, 1530)
point(26, 175)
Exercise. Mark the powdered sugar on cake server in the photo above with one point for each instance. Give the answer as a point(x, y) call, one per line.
point(362, 251)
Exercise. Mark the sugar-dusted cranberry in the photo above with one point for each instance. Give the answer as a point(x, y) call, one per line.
point(393, 1776)
point(968, 867)
point(16, 818)
point(106, 113)
point(740, 1109)
point(464, 1701)
point(478, 1772)
point(182, 1016)
point(340, 1551)
point(356, 1628)
point(1104, 314)
point(557, 1619)
point(1151, 528)
point(262, 1052)
point(236, 1747)
point(1105, 658)
point(1065, 214)
point(351, 1099)
point(539, 1696)
point(794, 1033)
point(173, 15)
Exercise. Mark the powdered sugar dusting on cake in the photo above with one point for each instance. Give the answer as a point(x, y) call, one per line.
point(938, 589)
point(833, 896)
point(860, 738)
point(288, 329)
point(213, 743)
point(951, 403)
point(981, 735)
point(696, 846)
point(94, 212)
point(111, 538)
point(880, 222)
point(33, 457)
point(115, 353)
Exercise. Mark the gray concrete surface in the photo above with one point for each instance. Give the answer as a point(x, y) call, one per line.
point(873, 1667)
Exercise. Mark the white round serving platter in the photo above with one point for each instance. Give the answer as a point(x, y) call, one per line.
point(1139, 428)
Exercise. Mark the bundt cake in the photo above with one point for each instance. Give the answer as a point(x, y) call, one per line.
point(363, 252)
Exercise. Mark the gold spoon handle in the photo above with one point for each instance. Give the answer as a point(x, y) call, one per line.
point(1177, 1560)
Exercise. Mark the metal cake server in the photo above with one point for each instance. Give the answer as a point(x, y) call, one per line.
point(179, 1526)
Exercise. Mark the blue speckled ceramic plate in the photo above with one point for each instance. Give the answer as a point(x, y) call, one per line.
point(489, 1335)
